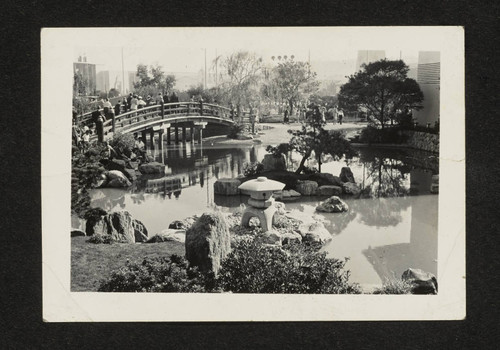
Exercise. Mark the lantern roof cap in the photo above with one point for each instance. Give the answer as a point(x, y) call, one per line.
point(262, 184)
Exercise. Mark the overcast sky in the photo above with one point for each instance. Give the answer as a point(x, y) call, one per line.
point(183, 49)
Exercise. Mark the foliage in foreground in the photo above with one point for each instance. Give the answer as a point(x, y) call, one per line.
point(250, 268)
point(255, 268)
point(86, 169)
point(155, 275)
point(100, 239)
point(395, 287)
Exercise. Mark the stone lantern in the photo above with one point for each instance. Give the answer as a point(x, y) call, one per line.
point(261, 202)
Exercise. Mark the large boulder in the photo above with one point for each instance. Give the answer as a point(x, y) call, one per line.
point(168, 235)
point(307, 187)
point(227, 187)
point(314, 232)
point(117, 179)
point(116, 164)
point(325, 179)
point(329, 190)
point(101, 181)
point(208, 242)
point(332, 205)
point(351, 188)
point(177, 225)
point(346, 175)
point(422, 282)
point(152, 168)
point(77, 233)
point(280, 208)
point(119, 225)
point(286, 194)
point(270, 162)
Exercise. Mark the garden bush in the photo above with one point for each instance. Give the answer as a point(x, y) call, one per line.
point(277, 151)
point(394, 286)
point(371, 134)
point(235, 130)
point(100, 239)
point(253, 168)
point(170, 274)
point(256, 268)
point(86, 170)
point(123, 144)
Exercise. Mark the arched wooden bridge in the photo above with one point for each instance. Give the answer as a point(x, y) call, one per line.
point(180, 120)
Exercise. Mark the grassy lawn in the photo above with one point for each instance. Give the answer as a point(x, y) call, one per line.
point(92, 262)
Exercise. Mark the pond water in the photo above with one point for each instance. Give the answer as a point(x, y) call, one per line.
point(393, 227)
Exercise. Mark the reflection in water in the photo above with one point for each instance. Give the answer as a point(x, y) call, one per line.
point(384, 232)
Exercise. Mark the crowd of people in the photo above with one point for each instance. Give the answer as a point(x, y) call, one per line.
point(302, 112)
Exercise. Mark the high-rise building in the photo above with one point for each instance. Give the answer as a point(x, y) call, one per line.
point(87, 70)
point(368, 56)
point(107, 80)
point(428, 78)
point(102, 81)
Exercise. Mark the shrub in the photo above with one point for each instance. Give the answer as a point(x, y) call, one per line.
point(253, 168)
point(156, 275)
point(277, 151)
point(256, 268)
point(235, 130)
point(100, 239)
point(123, 143)
point(394, 286)
point(371, 134)
point(86, 170)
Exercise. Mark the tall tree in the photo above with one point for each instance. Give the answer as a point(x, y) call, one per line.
point(81, 85)
point(153, 78)
point(313, 138)
point(383, 89)
point(242, 72)
point(294, 80)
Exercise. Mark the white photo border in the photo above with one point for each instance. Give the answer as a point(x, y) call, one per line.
point(62, 305)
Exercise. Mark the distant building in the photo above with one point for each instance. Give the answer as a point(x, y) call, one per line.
point(368, 56)
point(102, 81)
point(429, 77)
point(87, 70)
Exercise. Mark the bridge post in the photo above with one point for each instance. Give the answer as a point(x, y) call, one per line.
point(183, 134)
point(152, 137)
point(200, 126)
point(176, 135)
point(168, 136)
point(192, 134)
point(144, 138)
point(160, 136)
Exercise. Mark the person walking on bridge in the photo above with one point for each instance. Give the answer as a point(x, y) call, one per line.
point(129, 101)
point(118, 107)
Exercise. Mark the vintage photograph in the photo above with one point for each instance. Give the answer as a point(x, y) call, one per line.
point(267, 162)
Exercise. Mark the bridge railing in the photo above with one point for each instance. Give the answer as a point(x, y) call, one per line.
point(149, 114)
